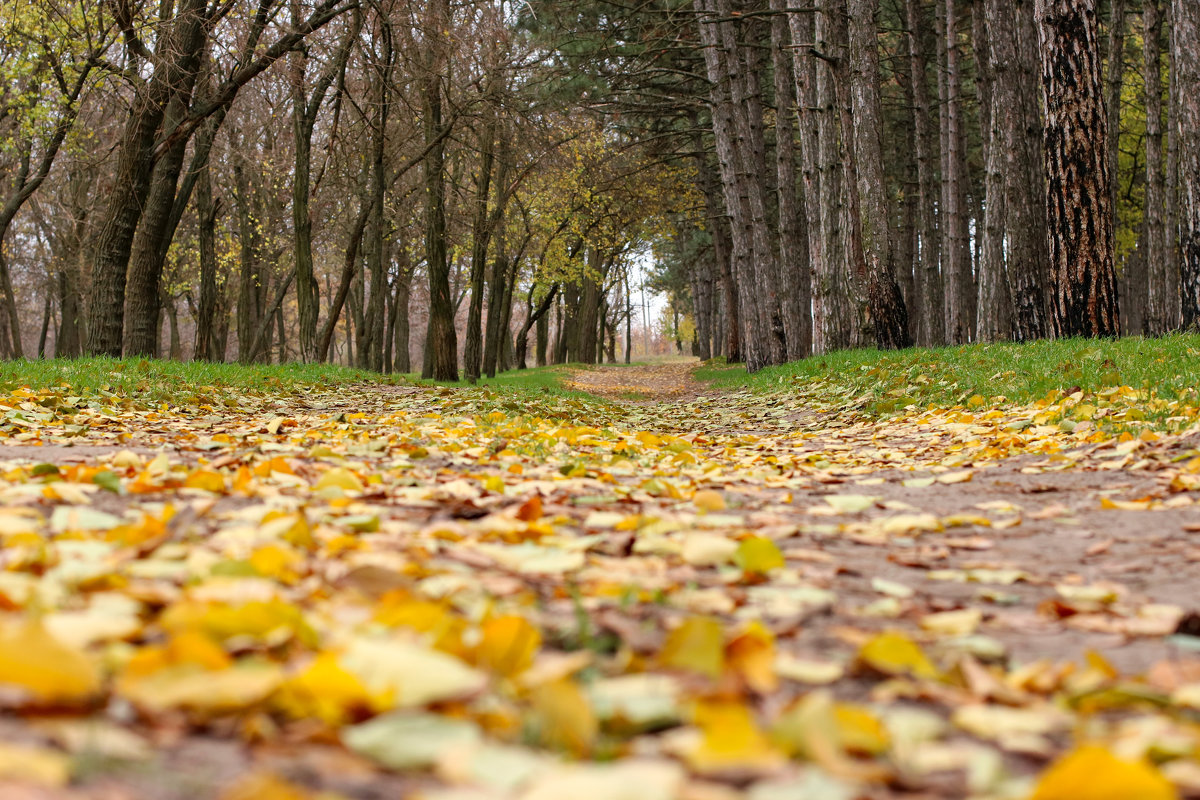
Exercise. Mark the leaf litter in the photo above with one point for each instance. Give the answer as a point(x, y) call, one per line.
point(655, 593)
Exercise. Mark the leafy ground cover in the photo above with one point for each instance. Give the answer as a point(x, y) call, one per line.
point(639, 587)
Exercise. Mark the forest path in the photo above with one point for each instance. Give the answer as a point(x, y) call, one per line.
point(452, 592)
point(664, 381)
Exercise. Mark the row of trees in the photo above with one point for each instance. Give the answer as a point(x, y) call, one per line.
point(311, 179)
point(387, 182)
point(945, 172)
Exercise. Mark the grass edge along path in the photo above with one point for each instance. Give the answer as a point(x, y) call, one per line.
point(1122, 385)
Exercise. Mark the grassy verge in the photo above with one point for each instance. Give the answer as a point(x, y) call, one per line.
point(886, 382)
point(148, 382)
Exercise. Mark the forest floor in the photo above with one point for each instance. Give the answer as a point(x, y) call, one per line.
point(639, 585)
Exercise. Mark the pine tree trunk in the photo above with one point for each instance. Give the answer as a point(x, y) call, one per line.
point(1154, 230)
point(834, 322)
point(795, 270)
point(803, 30)
point(956, 253)
point(1186, 48)
point(931, 320)
point(1171, 254)
point(1078, 190)
point(995, 321)
point(1028, 271)
point(889, 318)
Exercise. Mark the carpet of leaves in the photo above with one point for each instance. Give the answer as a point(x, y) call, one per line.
point(454, 594)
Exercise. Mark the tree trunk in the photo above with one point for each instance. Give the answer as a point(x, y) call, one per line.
point(1078, 192)
point(1028, 259)
point(1154, 229)
point(1186, 46)
point(370, 355)
point(144, 278)
point(888, 314)
point(182, 44)
point(956, 253)
point(441, 339)
point(480, 238)
point(995, 321)
point(1116, 76)
point(304, 117)
point(497, 289)
point(400, 331)
point(1171, 254)
point(206, 223)
point(795, 269)
point(931, 325)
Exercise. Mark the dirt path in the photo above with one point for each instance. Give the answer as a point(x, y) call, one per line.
point(454, 595)
point(645, 383)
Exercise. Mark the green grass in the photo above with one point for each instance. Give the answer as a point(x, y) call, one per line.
point(883, 382)
point(152, 382)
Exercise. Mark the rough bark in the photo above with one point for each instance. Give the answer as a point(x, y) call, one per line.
point(144, 277)
point(833, 324)
point(889, 318)
point(956, 253)
point(441, 339)
point(1186, 48)
point(1028, 259)
point(795, 269)
point(1078, 190)
point(1153, 243)
point(182, 42)
point(1171, 254)
point(931, 320)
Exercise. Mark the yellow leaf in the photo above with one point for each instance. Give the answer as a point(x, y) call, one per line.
point(953, 623)
point(340, 478)
point(206, 479)
point(752, 655)
point(42, 669)
point(893, 653)
point(695, 646)
point(962, 476)
point(279, 563)
point(731, 740)
point(507, 645)
point(850, 503)
point(1091, 772)
point(859, 730)
point(36, 765)
point(758, 555)
point(189, 688)
point(1124, 505)
point(324, 690)
point(709, 500)
point(565, 716)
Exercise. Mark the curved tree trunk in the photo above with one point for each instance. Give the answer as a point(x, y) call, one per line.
point(182, 44)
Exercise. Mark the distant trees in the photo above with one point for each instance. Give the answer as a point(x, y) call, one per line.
point(459, 188)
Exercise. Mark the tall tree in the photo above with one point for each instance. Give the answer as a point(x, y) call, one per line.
point(889, 317)
point(441, 340)
point(1186, 49)
point(1154, 240)
point(1078, 191)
